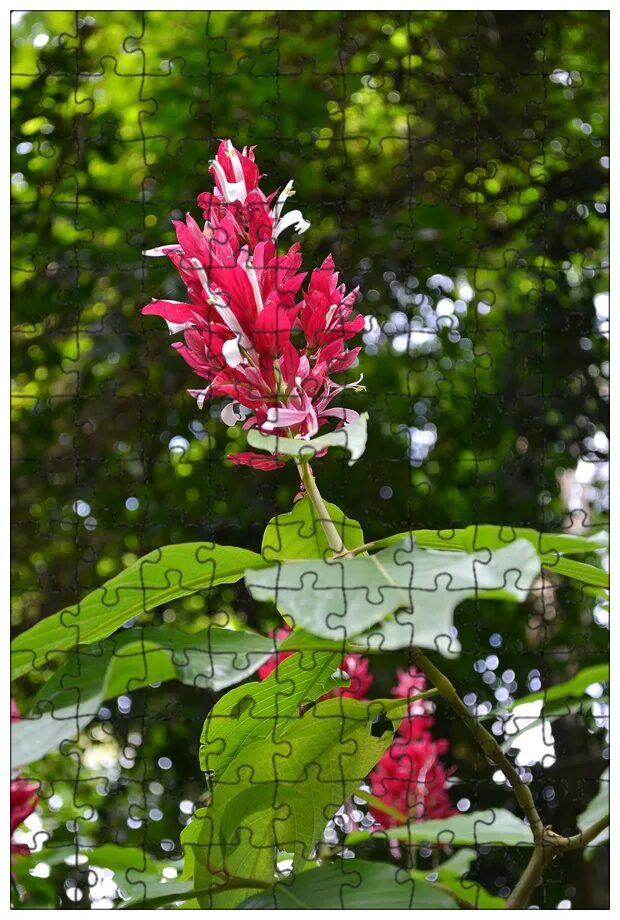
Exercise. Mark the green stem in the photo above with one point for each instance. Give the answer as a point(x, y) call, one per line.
point(163, 899)
point(380, 805)
point(334, 539)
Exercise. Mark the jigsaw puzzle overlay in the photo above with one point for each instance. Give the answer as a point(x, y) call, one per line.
point(310, 609)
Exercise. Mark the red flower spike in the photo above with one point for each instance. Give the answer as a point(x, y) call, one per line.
point(410, 777)
point(244, 303)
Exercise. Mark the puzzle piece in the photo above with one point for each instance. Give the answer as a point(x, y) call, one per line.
point(217, 670)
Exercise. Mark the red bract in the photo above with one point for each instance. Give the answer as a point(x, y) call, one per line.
point(257, 461)
point(24, 797)
point(409, 777)
point(245, 307)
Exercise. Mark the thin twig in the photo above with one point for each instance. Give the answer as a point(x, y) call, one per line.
point(545, 851)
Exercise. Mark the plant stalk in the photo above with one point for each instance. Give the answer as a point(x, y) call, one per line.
point(334, 539)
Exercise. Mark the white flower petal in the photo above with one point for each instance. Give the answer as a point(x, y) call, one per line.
point(173, 328)
point(236, 164)
point(200, 395)
point(230, 414)
point(232, 191)
point(248, 267)
point(159, 251)
point(293, 217)
point(286, 192)
point(231, 353)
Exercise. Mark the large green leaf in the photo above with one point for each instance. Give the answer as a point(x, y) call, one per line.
point(298, 534)
point(536, 719)
point(597, 809)
point(352, 884)
point(497, 536)
point(496, 826)
point(259, 710)
point(575, 687)
point(214, 658)
point(280, 771)
point(551, 548)
point(247, 714)
point(418, 589)
point(352, 437)
point(494, 536)
point(159, 577)
point(450, 875)
point(536, 712)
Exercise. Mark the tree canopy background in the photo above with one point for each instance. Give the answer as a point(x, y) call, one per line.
point(456, 165)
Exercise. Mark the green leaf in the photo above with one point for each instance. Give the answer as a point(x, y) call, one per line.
point(598, 808)
point(496, 826)
point(213, 658)
point(497, 536)
point(575, 687)
point(280, 771)
point(418, 589)
point(352, 884)
point(494, 536)
point(589, 575)
point(352, 437)
point(247, 714)
point(537, 716)
point(136, 874)
point(159, 577)
point(298, 534)
point(425, 539)
point(550, 547)
point(450, 875)
point(538, 710)
point(260, 710)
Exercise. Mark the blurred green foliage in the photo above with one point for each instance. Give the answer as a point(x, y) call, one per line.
point(455, 163)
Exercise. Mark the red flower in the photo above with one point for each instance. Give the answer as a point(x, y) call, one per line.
point(243, 310)
point(24, 797)
point(409, 776)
